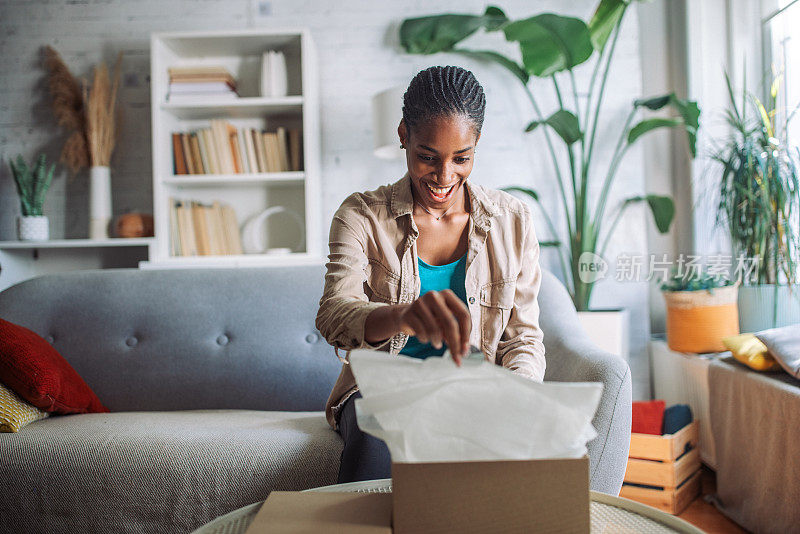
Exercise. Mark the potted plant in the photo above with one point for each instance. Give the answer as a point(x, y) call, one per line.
point(91, 118)
point(701, 310)
point(551, 47)
point(32, 225)
point(759, 204)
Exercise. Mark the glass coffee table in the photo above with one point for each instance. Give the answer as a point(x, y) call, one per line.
point(609, 514)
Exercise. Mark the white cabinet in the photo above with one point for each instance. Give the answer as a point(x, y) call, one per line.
point(249, 194)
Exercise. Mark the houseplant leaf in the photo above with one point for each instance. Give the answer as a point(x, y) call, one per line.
point(606, 16)
point(651, 124)
point(687, 109)
point(662, 207)
point(550, 43)
point(439, 33)
point(564, 123)
point(489, 55)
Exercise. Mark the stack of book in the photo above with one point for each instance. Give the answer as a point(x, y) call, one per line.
point(201, 229)
point(193, 85)
point(224, 149)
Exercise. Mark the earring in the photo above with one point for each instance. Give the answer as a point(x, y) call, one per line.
point(402, 145)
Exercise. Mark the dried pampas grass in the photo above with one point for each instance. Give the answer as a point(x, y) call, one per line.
point(89, 114)
point(68, 108)
point(101, 119)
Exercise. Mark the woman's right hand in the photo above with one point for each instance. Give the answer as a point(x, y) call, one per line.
point(435, 317)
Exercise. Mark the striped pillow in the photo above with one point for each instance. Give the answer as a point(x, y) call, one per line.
point(15, 412)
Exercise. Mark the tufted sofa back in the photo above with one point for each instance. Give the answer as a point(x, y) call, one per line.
point(180, 339)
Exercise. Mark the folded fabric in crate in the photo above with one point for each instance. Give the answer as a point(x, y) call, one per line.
point(647, 417)
point(676, 417)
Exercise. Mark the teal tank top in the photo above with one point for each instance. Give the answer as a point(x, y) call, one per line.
point(436, 278)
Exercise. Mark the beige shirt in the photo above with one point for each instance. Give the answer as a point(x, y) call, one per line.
point(373, 263)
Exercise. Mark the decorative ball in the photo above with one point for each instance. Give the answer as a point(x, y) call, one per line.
point(134, 225)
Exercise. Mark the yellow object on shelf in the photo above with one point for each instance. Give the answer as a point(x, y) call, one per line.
point(750, 351)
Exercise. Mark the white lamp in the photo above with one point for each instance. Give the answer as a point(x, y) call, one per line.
point(387, 110)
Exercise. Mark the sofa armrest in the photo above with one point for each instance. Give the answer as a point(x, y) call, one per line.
point(572, 357)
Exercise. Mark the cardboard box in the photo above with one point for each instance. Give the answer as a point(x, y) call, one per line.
point(298, 512)
point(530, 496)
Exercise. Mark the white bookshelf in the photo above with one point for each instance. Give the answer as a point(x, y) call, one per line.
point(239, 51)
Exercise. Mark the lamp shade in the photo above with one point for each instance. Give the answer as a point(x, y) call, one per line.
point(387, 110)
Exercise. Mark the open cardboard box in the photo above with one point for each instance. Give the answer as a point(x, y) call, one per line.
point(532, 496)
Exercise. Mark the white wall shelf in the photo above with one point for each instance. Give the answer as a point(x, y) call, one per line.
point(79, 243)
point(273, 178)
point(240, 52)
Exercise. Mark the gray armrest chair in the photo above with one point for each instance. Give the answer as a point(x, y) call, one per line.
point(217, 381)
point(572, 357)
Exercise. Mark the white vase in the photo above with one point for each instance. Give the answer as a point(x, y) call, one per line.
point(99, 202)
point(33, 228)
point(608, 329)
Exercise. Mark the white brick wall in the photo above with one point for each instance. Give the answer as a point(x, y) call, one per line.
point(358, 56)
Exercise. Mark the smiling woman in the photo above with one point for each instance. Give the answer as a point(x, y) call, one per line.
point(430, 260)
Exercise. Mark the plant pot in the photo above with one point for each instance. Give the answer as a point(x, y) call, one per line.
point(33, 228)
point(99, 202)
point(698, 320)
point(608, 329)
point(764, 306)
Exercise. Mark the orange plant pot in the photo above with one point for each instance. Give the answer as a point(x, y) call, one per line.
point(698, 320)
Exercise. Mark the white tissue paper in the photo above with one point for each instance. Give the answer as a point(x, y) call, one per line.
point(431, 410)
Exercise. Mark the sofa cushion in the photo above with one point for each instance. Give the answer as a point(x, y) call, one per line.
point(750, 351)
point(15, 413)
point(157, 471)
point(784, 345)
point(35, 371)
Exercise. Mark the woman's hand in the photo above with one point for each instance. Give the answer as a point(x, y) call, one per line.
point(437, 316)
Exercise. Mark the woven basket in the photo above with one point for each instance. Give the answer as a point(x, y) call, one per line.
point(698, 320)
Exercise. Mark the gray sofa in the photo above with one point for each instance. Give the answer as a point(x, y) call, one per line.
point(216, 380)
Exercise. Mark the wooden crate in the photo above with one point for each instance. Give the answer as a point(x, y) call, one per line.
point(661, 461)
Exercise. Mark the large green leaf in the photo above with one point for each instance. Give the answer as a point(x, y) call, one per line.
point(662, 207)
point(489, 55)
point(651, 124)
point(564, 123)
point(606, 16)
point(550, 43)
point(439, 33)
point(530, 192)
point(687, 109)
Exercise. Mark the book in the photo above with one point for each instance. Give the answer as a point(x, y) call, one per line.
point(174, 235)
point(201, 230)
point(251, 151)
point(179, 164)
point(200, 87)
point(187, 158)
point(240, 144)
point(283, 148)
point(294, 149)
point(234, 148)
point(261, 154)
point(197, 160)
point(232, 234)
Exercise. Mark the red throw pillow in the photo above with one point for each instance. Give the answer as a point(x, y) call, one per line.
point(648, 417)
point(35, 371)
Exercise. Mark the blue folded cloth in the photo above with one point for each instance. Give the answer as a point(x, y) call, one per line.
point(676, 417)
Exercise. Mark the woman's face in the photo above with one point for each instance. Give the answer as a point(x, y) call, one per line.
point(439, 154)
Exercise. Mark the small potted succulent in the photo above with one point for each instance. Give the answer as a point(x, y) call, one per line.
point(701, 310)
point(32, 184)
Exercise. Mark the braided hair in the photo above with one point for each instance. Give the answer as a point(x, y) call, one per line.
point(443, 91)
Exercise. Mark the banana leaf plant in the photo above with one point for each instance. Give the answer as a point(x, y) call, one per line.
point(551, 47)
